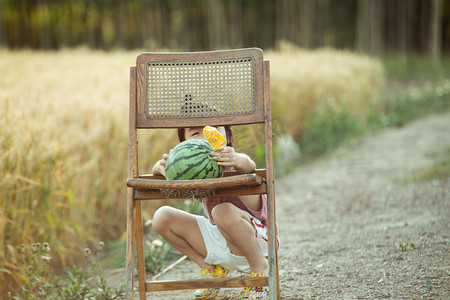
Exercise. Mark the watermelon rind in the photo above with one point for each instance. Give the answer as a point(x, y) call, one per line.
point(191, 160)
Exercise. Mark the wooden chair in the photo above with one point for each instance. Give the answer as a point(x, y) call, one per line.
point(234, 88)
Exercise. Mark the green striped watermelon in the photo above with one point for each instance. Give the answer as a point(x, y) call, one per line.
point(192, 159)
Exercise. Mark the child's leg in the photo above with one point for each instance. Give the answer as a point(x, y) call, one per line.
point(180, 229)
point(237, 228)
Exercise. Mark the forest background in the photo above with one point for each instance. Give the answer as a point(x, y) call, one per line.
point(376, 27)
point(64, 88)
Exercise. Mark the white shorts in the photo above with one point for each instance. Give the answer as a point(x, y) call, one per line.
point(217, 249)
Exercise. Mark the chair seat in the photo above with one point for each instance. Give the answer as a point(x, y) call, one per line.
point(229, 181)
point(154, 186)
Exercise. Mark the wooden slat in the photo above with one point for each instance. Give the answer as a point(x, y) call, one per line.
point(238, 180)
point(140, 248)
point(132, 172)
point(260, 172)
point(232, 191)
point(154, 286)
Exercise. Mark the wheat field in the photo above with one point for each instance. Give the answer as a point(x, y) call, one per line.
point(63, 141)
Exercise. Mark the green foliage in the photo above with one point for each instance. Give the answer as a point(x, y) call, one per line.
point(156, 256)
point(156, 251)
point(429, 294)
point(411, 103)
point(42, 283)
point(404, 246)
point(417, 68)
point(325, 132)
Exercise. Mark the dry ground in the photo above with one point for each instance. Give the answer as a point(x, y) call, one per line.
point(341, 220)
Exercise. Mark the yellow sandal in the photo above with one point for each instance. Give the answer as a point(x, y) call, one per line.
point(217, 272)
point(255, 293)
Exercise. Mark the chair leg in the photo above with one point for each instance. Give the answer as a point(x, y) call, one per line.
point(140, 251)
point(274, 289)
point(130, 245)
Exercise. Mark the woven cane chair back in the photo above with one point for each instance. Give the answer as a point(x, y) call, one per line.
point(200, 88)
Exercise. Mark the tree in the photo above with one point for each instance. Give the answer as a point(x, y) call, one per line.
point(369, 26)
point(435, 32)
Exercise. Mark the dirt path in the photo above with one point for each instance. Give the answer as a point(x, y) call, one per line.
point(341, 221)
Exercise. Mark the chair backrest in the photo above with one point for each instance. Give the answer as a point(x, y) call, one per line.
point(200, 88)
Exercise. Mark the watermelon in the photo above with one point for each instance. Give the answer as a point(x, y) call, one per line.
point(192, 159)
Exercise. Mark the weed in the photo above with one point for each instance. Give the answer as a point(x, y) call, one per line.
point(429, 294)
point(156, 255)
point(411, 103)
point(439, 170)
point(404, 247)
point(328, 131)
point(156, 252)
point(42, 283)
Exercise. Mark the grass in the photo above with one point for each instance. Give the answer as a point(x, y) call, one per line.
point(63, 147)
point(63, 135)
point(413, 102)
point(77, 282)
point(439, 170)
point(414, 68)
point(329, 131)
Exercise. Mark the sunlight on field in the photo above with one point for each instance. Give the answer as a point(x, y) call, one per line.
point(64, 127)
point(321, 81)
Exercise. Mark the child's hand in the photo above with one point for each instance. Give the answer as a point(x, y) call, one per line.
point(159, 167)
point(227, 157)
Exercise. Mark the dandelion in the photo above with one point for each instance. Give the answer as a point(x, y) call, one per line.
point(156, 244)
point(87, 252)
point(46, 258)
point(46, 247)
point(101, 244)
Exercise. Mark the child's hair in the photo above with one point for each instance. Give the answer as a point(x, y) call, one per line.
point(228, 131)
point(190, 105)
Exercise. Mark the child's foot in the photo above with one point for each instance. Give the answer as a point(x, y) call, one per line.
point(255, 293)
point(217, 272)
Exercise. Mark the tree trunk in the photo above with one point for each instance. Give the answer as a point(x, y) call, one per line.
point(215, 24)
point(435, 32)
point(368, 26)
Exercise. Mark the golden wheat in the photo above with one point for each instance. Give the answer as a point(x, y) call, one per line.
point(63, 141)
point(305, 81)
